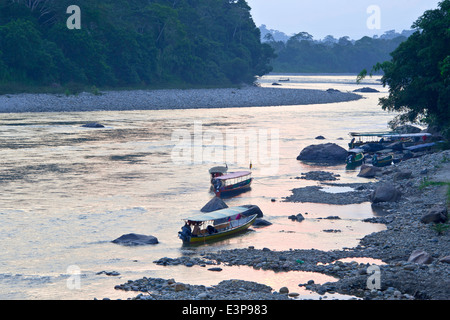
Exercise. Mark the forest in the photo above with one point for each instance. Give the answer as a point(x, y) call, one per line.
point(130, 43)
point(302, 54)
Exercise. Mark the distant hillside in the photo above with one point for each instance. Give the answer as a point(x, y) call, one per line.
point(302, 54)
point(130, 43)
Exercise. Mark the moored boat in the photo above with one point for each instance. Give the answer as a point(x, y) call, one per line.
point(355, 158)
point(383, 161)
point(231, 182)
point(217, 224)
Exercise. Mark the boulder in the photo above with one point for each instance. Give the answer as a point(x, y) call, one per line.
point(133, 239)
point(385, 193)
point(324, 153)
point(214, 204)
point(420, 256)
point(320, 138)
point(368, 171)
point(445, 259)
point(437, 214)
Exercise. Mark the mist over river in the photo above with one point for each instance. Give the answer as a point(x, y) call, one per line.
point(67, 191)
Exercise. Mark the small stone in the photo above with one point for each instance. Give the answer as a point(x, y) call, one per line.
point(203, 296)
point(284, 290)
point(217, 269)
point(179, 287)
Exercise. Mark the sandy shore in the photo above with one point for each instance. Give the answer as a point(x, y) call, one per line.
point(400, 278)
point(169, 99)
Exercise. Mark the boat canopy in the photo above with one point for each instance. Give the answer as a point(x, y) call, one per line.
point(356, 150)
point(370, 134)
point(234, 175)
point(220, 169)
point(406, 135)
point(218, 214)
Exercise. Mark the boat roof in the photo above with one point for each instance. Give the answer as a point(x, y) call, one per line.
point(233, 175)
point(220, 169)
point(370, 134)
point(388, 134)
point(356, 150)
point(218, 214)
point(406, 135)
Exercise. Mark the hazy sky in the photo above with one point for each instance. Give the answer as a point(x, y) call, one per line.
point(339, 17)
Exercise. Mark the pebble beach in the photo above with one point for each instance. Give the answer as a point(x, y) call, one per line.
point(249, 96)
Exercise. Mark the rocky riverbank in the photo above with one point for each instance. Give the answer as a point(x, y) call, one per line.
point(169, 99)
point(413, 252)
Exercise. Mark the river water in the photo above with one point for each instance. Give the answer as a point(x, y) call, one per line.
point(68, 191)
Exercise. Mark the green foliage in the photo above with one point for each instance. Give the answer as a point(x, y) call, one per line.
point(131, 43)
point(418, 75)
point(440, 228)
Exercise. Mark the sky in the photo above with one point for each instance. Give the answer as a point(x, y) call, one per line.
point(353, 18)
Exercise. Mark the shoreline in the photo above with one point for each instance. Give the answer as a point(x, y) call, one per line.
point(169, 99)
point(401, 279)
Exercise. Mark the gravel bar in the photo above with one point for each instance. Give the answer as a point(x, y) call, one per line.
point(169, 99)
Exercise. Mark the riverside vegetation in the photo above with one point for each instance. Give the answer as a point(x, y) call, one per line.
point(128, 44)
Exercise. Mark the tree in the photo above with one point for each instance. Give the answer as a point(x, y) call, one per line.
point(418, 75)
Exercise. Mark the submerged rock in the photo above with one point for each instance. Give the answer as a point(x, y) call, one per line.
point(366, 89)
point(93, 125)
point(261, 223)
point(133, 239)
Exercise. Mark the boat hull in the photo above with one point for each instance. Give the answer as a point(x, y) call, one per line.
point(357, 161)
point(235, 188)
point(220, 235)
point(384, 162)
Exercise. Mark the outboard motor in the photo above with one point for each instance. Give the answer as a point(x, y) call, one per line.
point(185, 233)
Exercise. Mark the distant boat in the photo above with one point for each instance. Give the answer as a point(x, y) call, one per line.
point(217, 224)
point(382, 162)
point(355, 158)
point(284, 79)
point(231, 182)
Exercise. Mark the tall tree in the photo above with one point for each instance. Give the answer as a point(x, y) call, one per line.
point(418, 75)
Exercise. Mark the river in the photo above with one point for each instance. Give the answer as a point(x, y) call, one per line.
point(68, 191)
